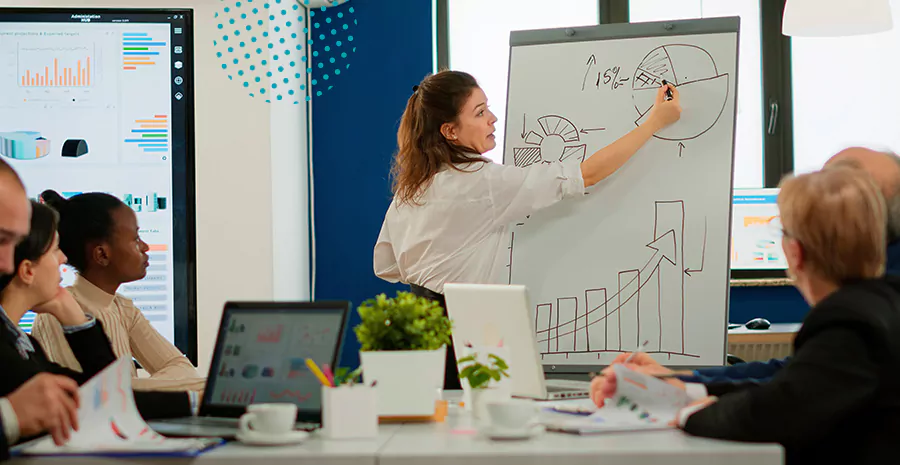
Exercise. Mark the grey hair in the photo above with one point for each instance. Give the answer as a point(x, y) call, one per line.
point(893, 205)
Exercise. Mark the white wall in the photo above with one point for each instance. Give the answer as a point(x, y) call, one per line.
point(250, 181)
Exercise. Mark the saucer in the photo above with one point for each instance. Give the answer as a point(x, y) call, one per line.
point(501, 433)
point(254, 438)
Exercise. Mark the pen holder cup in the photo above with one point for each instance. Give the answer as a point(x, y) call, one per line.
point(349, 412)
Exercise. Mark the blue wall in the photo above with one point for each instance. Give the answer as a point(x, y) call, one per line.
point(354, 139)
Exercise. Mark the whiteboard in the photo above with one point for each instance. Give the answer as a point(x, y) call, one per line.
point(645, 255)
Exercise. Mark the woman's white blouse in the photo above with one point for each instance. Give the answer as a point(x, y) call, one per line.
point(459, 232)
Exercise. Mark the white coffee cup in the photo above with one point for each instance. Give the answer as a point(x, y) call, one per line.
point(270, 419)
point(513, 414)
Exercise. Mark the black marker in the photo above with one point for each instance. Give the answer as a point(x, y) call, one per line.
point(668, 91)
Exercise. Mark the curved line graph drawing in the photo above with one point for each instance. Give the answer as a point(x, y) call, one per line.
point(703, 89)
point(640, 308)
point(559, 142)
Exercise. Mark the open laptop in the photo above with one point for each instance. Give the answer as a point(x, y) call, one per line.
point(484, 315)
point(260, 357)
point(756, 235)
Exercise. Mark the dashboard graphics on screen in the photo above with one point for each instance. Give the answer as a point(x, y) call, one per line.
point(642, 260)
point(89, 105)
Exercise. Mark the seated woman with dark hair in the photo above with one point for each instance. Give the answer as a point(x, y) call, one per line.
point(99, 234)
point(34, 285)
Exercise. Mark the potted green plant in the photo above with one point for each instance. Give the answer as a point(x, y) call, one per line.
point(481, 377)
point(403, 342)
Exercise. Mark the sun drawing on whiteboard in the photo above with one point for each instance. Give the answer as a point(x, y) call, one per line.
point(559, 142)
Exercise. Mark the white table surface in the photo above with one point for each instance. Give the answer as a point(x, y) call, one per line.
point(315, 450)
point(456, 442)
point(453, 443)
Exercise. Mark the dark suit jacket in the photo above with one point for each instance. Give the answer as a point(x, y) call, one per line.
point(92, 349)
point(838, 398)
point(4, 447)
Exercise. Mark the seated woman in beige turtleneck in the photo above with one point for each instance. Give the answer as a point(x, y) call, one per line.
point(99, 234)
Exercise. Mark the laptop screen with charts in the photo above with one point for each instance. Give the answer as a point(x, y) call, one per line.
point(486, 315)
point(261, 352)
point(756, 235)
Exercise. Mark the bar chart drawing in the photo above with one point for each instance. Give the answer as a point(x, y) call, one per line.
point(65, 66)
point(642, 304)
point(139, 50)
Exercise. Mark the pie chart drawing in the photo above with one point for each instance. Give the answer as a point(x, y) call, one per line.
point(703, 90)
point(560, 142)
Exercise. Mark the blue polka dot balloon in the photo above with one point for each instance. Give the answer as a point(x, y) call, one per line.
point(279, 32)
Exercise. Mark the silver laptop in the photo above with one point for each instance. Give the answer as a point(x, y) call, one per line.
point(485, 315)
point(260, 357)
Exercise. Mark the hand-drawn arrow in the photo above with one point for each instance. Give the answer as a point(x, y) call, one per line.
point(680, 148)
point(587, 130)
point(688, 271)
point(523, 126)
point(664, 249)
point(591, 62)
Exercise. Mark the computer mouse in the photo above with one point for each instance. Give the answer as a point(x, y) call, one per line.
point(758, 323)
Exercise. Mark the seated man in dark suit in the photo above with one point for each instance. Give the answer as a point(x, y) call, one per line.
point(884, 168)
point(838, 398)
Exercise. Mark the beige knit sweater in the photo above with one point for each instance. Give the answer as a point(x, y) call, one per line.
point(130, 334)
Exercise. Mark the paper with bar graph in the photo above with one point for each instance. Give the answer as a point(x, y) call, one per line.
point(641, 403)
point(643, 256)
point(109, 422)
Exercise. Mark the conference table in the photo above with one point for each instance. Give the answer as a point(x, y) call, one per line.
point(455, 441)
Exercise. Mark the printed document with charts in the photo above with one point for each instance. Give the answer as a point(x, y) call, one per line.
point(110, 425)
point(641, 402)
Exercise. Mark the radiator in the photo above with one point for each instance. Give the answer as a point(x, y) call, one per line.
point(753, 351)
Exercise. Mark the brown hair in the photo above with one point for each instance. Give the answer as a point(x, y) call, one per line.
point(422, 149)
point(838, 216)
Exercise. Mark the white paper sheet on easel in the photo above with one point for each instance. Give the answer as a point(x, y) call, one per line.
point(109, 422)
point(641, 402)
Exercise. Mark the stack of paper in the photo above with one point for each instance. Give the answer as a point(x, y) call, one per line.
point(641, 402)
point(111, 425)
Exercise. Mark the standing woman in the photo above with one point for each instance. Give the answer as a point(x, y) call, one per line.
point(99, 234)
point(452, 206)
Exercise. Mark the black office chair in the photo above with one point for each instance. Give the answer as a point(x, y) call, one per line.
point(733, 359)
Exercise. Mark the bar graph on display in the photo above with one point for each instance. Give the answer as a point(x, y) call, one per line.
point(58, 66)
point(27, 322)
point(150, 134)
point(642, 304)
point(140, 50)
point(150, 295)
point(237, 396)
point(270, 335)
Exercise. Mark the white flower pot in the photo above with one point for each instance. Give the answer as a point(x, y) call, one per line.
point(482, 397)
point(408, 382)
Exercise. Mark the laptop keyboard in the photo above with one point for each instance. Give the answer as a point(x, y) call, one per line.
point(568, 384)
